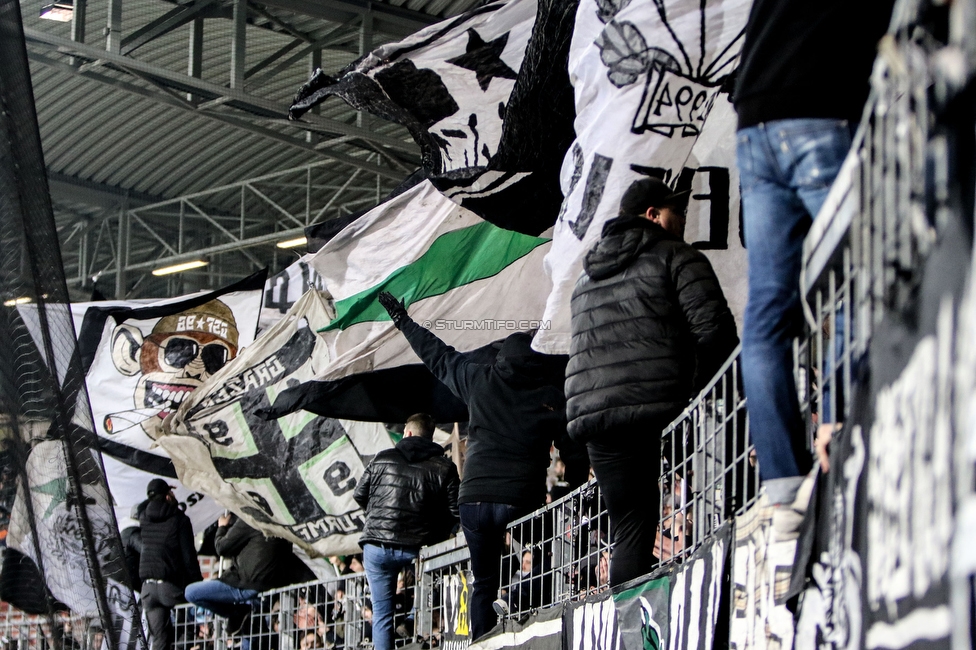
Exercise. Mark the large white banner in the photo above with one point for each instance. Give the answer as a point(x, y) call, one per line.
point(142, 361)
point(647, 75)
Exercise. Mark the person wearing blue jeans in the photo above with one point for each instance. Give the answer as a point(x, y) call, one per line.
point(786, 168)
point(383, 563)
point(260, 563)
point(221, 598)
point(802, 83)
point(409, 494)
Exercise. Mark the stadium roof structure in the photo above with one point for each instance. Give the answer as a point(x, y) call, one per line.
point(165, 136)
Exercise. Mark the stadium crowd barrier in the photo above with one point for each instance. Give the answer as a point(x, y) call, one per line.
point(333, 613)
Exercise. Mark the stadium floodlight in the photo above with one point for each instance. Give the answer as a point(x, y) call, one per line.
point(13, 302)
point(62, 11)
point(179, 268)
point(292, 243)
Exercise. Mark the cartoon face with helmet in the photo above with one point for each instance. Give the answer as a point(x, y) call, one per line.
point(182, 351)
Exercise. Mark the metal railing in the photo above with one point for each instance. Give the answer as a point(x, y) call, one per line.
point(562, 552)
point(443, 589)
point(26, 632)
point(558, 553)
point(335, 613)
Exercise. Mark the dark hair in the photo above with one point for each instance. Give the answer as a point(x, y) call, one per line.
point(423, 424)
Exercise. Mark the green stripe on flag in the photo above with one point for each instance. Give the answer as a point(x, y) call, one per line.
point(455, 259)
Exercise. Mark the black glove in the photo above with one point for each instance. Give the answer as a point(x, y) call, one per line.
point(395, 308)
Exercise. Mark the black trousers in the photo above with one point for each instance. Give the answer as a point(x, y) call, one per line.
point(484, 526)
point(627, 464)
point(158, 600)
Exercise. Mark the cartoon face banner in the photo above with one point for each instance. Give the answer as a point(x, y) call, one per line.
point(142, 362)
point(647, 75)
point(292, 477)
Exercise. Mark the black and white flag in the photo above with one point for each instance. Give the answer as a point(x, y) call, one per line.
point(647, 75)
point(487, 97)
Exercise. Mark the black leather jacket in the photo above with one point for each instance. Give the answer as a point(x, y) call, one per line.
point(650, 327)
point(409, 494)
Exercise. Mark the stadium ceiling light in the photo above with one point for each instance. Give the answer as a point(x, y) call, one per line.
point(62, 11)
point(13, 302)
point(292, 243)
point(179, 268)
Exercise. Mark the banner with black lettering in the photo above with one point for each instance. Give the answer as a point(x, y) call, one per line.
point(291, 477)
point(456, 625)
point(647, 77)
point(141, 361)
point(761, 573)
point(698, 587)
point(592, 623)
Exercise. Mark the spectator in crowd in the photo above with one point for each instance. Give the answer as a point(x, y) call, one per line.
point(356, 564)
point(650, 326)
point(403, 610)
point(341, 564)
point(260, 563)
point(409, 494)
point(168, 562)
point(802, 84)
point(516, 410)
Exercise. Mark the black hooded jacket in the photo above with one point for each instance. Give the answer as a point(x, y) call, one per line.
point(516, 410)
point(409, 494)
point(167, 544)
point(650, 327)
point(260, 562)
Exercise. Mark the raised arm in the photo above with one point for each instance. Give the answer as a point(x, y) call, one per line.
point(447, 364)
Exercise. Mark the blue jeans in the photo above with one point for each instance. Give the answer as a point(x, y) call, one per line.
point(220, 598)
point(383, 564)
point(484, 526)
point(786, 168)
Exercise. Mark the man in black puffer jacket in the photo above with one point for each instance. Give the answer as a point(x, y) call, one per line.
point(650, 326)
point(260, 563)
point(168, 562)
point(409, 494)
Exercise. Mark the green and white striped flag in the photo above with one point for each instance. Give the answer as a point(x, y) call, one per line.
point(467, 280)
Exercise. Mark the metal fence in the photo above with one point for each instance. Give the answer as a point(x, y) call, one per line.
point(25, 632)
point(562, 552)
point(331, 614)
point(443, 589)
